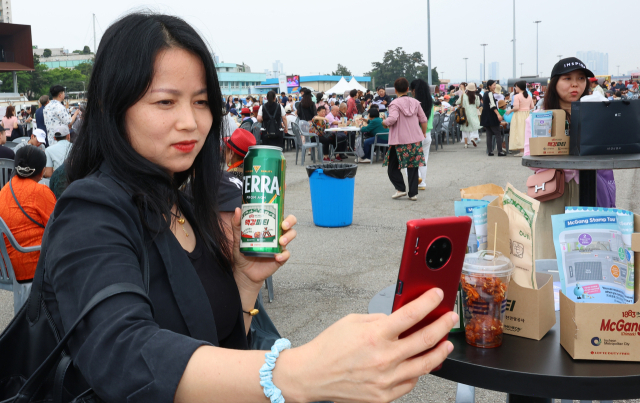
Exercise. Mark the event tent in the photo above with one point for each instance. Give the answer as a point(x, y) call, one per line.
point(339, 88)
point(354, 85)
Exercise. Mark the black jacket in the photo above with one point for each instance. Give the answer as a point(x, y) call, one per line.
point(95, 238)
point(488, 118)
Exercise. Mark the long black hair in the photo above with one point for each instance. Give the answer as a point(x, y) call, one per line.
point(523, 87)
point(472, 97)
point(123, 70)
point(306, 100)
point(422, 94)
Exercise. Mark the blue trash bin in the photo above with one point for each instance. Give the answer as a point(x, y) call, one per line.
point(332, 189)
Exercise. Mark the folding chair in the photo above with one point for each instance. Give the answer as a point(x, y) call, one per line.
point(300, 146)
point(6, 168)
point(379, 146)
point(7, 276)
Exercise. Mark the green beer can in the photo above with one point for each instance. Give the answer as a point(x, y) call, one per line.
point(262, 201)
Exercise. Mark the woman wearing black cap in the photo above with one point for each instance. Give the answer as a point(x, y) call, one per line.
point(568, 83)
point(490, 119)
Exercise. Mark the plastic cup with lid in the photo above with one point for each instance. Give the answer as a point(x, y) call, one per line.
point(485, 281)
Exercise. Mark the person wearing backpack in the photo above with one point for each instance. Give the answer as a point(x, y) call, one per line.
point(274, 122)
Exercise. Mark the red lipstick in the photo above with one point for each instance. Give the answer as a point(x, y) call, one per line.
point(185, 146)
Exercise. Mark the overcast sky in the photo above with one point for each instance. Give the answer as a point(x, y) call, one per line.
point(311, 37)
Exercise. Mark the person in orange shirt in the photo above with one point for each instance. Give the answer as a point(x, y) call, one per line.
point(27, 224)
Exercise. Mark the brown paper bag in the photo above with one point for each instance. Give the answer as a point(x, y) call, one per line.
point(480, 191)
point(522, 211)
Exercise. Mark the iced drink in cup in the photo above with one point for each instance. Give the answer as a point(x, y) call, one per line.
point(485, 279)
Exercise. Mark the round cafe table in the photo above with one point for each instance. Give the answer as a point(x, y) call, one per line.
point(529, 370)
point(587, 166)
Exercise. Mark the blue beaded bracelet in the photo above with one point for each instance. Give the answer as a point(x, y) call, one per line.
point(266, 375)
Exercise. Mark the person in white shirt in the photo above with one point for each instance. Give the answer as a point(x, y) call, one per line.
point(55, 114)
point(38, 139)
point(57, 153)
point(595, 87)
point(290, 117)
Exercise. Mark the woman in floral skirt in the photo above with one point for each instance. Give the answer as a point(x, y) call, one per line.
point(407, 129)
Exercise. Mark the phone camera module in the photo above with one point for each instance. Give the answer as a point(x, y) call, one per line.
point(438, 254)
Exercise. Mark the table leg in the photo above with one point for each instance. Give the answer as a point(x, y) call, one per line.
point(527, 399)
point(587, 188)
point(465, 394)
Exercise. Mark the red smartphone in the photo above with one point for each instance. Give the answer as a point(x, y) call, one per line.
point(433, 255)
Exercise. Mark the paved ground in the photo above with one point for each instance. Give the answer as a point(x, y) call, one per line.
point(334, 272)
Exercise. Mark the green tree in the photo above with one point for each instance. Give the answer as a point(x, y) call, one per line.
point(36, 83)
point(341, 71)
point(85, 68)
point(86, 50)
point(398, 63)
point(46, 53)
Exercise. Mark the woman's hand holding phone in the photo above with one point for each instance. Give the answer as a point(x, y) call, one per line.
point(361, 358)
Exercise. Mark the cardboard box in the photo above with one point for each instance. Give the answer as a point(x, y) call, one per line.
point(530, 313)
point(558, 143)
point(603, 331)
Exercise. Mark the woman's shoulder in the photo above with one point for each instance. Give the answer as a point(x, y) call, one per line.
point(98, 188)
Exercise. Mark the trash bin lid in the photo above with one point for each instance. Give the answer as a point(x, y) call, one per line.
point(338, 171)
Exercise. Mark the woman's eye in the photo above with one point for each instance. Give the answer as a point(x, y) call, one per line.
point(165, 102)
point(203, 102)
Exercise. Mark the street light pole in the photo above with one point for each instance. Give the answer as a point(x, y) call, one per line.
point(514, 38)
point(537, 24)
point(521, 69)
point(465, 69)
point(484, 61)
point(618, 66)
point(429, 78)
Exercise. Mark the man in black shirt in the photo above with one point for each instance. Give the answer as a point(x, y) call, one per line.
point(5, 152)
point(382, 100)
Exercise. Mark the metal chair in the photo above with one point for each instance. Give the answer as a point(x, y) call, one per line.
point(436, 129)
point(379, 145)
point(7, 276)
point(10, 144)
point(269, 284)
point(297, 135)
point(6, 169)
point(20, 139)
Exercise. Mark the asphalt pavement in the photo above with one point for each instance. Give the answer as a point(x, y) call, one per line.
point(336, 271)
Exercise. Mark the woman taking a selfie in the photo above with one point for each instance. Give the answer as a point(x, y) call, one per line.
point(152, 123)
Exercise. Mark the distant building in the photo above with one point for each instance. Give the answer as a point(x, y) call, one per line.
point(597, 62)
point(237, 79)
point(5, 13)
point(494, 71)
point(62, 58)
point(318, 83)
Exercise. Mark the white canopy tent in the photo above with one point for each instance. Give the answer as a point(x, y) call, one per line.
point(339, 88)
point(354, 85)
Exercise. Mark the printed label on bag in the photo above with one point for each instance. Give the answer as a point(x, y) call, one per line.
point(259, 225)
